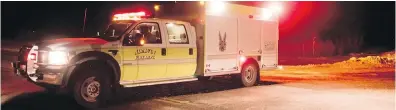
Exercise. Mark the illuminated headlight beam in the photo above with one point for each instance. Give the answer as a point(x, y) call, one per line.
point(57, 58)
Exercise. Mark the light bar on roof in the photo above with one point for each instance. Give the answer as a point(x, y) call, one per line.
point(129, 16)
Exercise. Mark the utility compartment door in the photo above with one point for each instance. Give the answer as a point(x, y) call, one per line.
point(220, 44)
point(269, 44)
point(249, 33)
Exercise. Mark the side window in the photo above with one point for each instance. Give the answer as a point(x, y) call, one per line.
point(149, 31)
point(177, 33)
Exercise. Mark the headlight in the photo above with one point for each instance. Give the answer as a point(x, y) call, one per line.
point(57, 58)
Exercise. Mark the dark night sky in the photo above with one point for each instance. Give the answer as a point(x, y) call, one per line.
point(66, 18)
point(380, 23)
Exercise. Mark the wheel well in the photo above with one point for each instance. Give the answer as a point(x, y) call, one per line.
point(251, 60)
point(95, 58)
point(255, 62)
point(96, 64)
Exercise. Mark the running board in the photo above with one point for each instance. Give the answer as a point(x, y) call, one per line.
point(148, 83)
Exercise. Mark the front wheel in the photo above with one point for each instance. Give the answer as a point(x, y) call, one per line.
point(249, 74)
point(90, 89)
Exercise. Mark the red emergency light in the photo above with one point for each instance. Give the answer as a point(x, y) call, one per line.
point(129, 16)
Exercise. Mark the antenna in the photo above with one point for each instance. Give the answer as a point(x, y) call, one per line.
point(85, 16)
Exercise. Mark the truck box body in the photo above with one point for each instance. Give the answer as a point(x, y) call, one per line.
point(236, 33)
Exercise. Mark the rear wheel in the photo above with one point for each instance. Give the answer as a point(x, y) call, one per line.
point(249, 74)
point(91, 89)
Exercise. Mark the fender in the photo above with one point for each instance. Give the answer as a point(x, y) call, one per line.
point(90, 56)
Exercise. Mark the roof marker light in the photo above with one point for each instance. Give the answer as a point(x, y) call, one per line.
point(129, 16)
point(216, 7)
point(276, 7)
point(266, 14)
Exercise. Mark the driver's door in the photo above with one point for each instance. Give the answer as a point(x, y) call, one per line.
point(129, 66)
point(151, 56)
point(146, 62)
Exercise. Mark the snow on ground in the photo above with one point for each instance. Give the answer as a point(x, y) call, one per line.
point(372, 66)
point(377, 63)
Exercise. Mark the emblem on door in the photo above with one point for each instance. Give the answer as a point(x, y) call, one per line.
point(222, 42)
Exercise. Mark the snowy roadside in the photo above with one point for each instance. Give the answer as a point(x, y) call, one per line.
point(382, 65)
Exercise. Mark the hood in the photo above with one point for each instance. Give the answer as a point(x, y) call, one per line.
point(71, 42)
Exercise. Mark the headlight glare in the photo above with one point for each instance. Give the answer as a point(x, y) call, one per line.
point(57, 57)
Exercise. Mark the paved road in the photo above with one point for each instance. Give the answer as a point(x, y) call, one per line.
point(363, 92)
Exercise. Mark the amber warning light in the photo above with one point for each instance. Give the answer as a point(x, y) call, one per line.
point(129, 16)
point(142, 42)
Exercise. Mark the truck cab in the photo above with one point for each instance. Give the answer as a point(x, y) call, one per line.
point(157, 50)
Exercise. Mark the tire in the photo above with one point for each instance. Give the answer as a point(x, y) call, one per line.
point(249, 75)
point(91, 89)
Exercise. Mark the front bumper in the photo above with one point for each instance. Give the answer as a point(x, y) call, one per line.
point(19, 68)
point(41, 75)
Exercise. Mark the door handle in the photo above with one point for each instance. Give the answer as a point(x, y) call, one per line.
point(163, 51)
point(190, 51)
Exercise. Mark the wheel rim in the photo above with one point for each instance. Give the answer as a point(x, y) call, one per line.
point(249, 74)
point(90, 89)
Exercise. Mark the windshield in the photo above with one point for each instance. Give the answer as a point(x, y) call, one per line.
point(114, 31)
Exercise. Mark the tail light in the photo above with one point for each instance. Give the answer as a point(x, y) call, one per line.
point(32, 56)
point(280, 67)
point(242, 59)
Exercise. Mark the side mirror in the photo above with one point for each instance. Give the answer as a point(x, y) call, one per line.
point(128, 40)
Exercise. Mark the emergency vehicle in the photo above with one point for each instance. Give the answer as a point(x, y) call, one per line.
point(136, 51)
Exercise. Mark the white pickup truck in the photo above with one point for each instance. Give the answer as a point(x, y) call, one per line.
point(136, 51)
